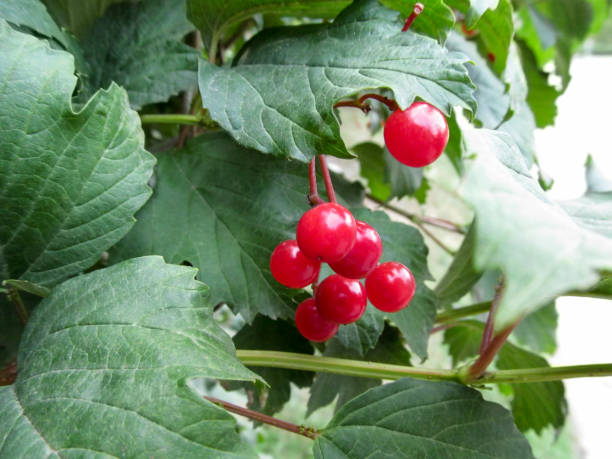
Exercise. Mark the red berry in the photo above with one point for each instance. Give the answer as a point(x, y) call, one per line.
point(326, 232)
point(416, 136)
point(310, 323)
point(341, 300)
point(291, 267)
point(390, 286)
point(363, 256)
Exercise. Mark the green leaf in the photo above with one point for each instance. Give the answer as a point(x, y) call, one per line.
point(70, 182)
point(405, 180)
point(113, 352)
point(410, 418)
point(596, 179)
point(120, 46)
point(278, 96)
point(592, 211)
point(461, 275)
point(534, 405)
point(389, 349)
point(542, 249)
point(538, 330)
point(27, 286)
point(404, 244)
point(272, 335)
point(224, 209)
point(363, 334)
point(463, 340)
point(78, 15)
point(34, 15)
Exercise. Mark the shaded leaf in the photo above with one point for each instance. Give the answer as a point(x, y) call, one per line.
point(78, 15)
point(114, 352)
point(278, 96)
point(410, 418)
point(362, 335)
point(120, 46)
point(70, 182)
point(372, 168)
point(538, 330)
point(236, 206)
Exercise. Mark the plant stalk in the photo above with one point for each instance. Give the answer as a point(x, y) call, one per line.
point(329, 186)
point(313, 197)
point(173, 118)
point(308, 432)
point(307, 362)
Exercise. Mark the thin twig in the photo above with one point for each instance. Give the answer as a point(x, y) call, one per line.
point(329, 186)
point(15, 297)
point(490, 324)
point(418, 9)
point(308, 432)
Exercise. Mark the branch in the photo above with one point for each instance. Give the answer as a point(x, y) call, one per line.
point(308, 362)
point(433, 221)
point(490, 325)
point(308, 432)
point(459, 313)
point(173, 118)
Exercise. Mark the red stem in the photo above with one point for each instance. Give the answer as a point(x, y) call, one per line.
point(331, 194)
point(8, 374)
point(385, 100)
point(480, 366)
point(353, 103)
point(308, 432)
point(418, 9)
point(313, 197)
point(487, 335)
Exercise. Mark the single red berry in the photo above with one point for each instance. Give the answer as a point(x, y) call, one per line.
point(326, 232)
point(291, 267)
point(390, 286)
point(341, 300)
point(416, 136)
point(311, 324)
point(363, 256)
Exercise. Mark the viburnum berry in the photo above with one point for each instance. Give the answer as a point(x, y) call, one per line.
point(341, 300)
point(311, 324)
point(390, 286)
point(364, 255)
point(291, 267)
point(326, 232)
point(416, 136)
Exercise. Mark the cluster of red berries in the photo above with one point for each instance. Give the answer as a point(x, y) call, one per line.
point(329, 233)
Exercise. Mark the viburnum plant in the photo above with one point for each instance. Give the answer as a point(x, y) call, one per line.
point(163, 245)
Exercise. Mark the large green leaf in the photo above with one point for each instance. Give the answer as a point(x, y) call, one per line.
point(404, 244)
point(139, 47)
point(362, 335)
point(327, 387)
point(410, 418)
point(224, 209)
point(113, 352)
point(542, 249)
point(278, 96)
point(272, 335)
point(70, 182)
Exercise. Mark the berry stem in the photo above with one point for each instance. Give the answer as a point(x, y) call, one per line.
point(308, 432)
point(313, 197)
point(390, 103)
point(365, 108)
point(329, 186)
point(418, 9)
point(308, 362)
point(478, 368)
point(15, 297)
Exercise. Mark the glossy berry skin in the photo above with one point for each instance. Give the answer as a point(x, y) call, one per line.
point(341, 300)
point(326, 232)
point(291, 267)
point(416, 136)
point(390, 286)
point(364, 255)
point(311, 324)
